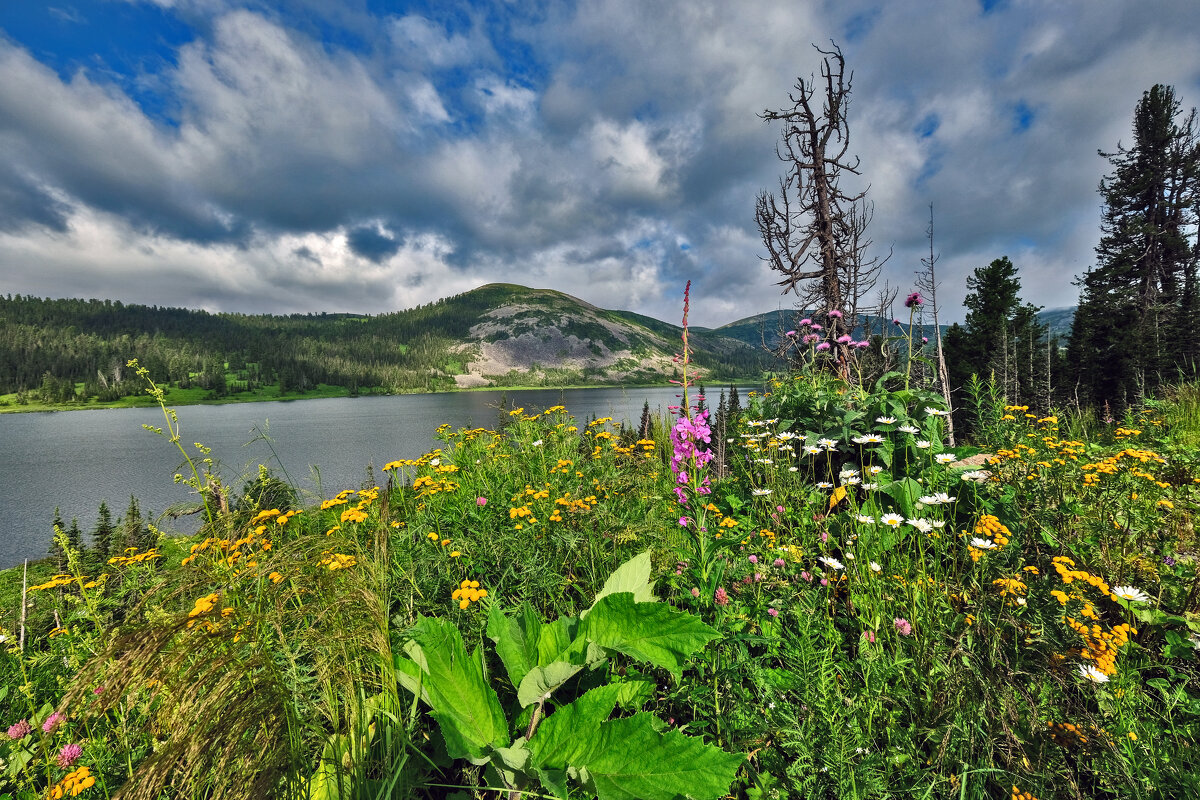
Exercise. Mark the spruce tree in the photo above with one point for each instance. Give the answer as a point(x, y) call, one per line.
point(102, 534)
point(1131, 332)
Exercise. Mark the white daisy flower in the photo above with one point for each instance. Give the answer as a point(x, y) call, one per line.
point(885, 420)
point(760, 492)
point(870, 438)
point(945, 458)
point(811, 449)
point(976, 475)
point(851, 480)
point(982, 544)
point(866, 519)
point(908, 429)
point(785, 435)
point(824, 485)
point(939, 523)
point(763, 461)
point(793, 469)
point(870, 486)
point(828, 444)
point(895, 520)
point(928, 500)
point(538, 443)
point(923, 444)
point(849, 556)
point(875, 470)
point(936, 412)
point(1130, 593)
point(1092, 674)
point(875, 567)
point(832, 563)
point(923, 525)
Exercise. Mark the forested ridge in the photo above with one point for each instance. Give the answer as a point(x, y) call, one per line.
point(73, 350)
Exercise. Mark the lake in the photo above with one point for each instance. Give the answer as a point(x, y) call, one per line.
point(76, 459)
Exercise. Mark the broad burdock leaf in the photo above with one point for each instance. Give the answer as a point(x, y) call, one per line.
point(905, 492)
point(632, 576)
point(460, 699)
point(648, 631)
point(540, 682)
point(627, 759)
point(516, 639)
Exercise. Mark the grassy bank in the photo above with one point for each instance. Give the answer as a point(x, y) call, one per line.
point(810, 599)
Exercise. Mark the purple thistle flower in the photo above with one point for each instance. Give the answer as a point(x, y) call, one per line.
point(845, 339)
point(69, 754)
point(806, 321)
point(790, 333)
point(816, 327)
point(913, 299)
point(823, 346)
point(896, 322)
point(924, 340)
point(835, 314)
point(809, 338)
point(862, 345)
point(1170, 562)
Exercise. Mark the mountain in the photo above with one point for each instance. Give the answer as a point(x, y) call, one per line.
point(1058, 320)
point(496, 335)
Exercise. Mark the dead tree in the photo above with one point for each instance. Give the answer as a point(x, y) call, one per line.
point(813, 231)
point(927, 283)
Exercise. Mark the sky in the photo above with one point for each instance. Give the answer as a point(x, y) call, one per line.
point(369, 156)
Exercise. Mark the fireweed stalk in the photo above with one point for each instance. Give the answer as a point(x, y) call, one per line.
point(688, 462)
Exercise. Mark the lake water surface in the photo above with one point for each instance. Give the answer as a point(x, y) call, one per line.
point(74, 460)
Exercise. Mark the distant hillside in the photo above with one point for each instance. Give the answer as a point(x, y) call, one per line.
point(1059, 321)
point(63, 351)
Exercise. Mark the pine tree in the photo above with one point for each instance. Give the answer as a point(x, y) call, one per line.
point(1001, 336)
point(645, 430)
point(57, 554)
point(102, 537)
point(133, 531)
point(1131, 333)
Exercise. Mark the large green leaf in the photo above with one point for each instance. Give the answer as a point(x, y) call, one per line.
point(905, 492)
point(648, 631)
point(516, 639)
point(632, 576)
point(569, 736)
point(555, 639)
point(628, 759)
point(636, 762)
point(540, 682)
point(460, 699)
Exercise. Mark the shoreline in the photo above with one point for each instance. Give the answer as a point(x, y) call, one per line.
point(148, 402)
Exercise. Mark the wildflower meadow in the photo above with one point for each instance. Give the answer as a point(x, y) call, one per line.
point(813, 596)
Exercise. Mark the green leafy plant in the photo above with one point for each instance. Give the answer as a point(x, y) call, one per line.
point(578, 744)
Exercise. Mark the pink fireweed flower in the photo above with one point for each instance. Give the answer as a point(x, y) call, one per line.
point(903, 626)
point(721, 597)
point(913, 299)
point(20, 729)
point(69, 754)
point(52, 721)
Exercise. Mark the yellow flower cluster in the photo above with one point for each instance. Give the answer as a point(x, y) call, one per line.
point(53, 583)
point(336, 561)
point(204, 605)
point(1112, 465)
point(1010, 586)
point(132, 556)
point(1068, 734)
point(1017, 794)
point(468, 592)
point(73, 784)
point(427, 486)
point(990, 529)
point(231, 552)
point(1101, 646)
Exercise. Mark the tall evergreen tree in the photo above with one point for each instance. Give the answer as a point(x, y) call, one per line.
point(102, 536)
point(1001, 337)
point(57, 554)
point(1132, 331)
